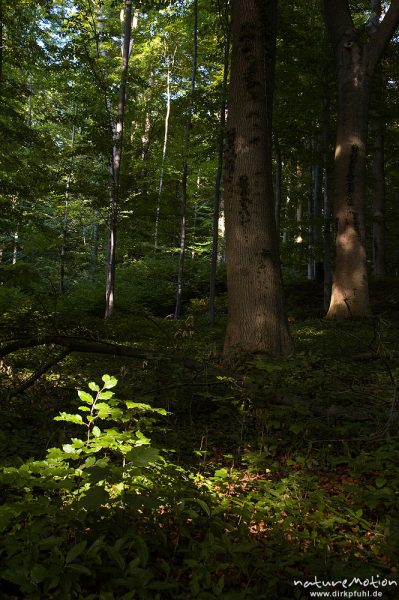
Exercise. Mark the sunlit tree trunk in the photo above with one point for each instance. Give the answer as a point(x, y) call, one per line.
point(169, 67)
point(94, 251)
point(115, 162)
point(256, 317)
point(278, 186)
point(356, 64)
point(183, 232)
point(218, 182)
point(65, 218)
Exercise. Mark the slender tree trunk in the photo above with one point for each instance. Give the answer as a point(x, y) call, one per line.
point(256, 317)
point(356, 63)
point(94, 251)
point(379, 200)
point(169, 64)
point(115, 163)
point(1, 45)
point(180, 274)
point(30, 94)
point(327, 261)
point(279, 180)
point(65, 218)
point(218, 182)
point(195, 219)
point(311, 230)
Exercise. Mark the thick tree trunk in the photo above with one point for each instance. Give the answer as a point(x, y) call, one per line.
point(256, 318)
point(349, 296)
point(356, 62)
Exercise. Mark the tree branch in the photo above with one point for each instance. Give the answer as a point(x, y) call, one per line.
point(381, 38)
point(43, 369)
point(75, 344)
point(338, 20)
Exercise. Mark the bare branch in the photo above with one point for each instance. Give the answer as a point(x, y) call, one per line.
point(37, 374)
point(75, 344)
point(381, 38)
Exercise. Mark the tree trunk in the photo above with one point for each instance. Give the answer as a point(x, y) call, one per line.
point(180, 274)
point(326, 223)
point(379, 201)
point(356, 62)
point(218, 182)
point(256, 318)
point(279, 180)
point(65, 219)
point(115, 163)
point(94, 249)
point(350, 297)
point(169, 64)
point(1, 45)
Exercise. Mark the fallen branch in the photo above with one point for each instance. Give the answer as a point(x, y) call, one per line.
point(41, 371)
point(78, 344)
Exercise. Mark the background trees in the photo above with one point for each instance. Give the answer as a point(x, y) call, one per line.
point(61, 73)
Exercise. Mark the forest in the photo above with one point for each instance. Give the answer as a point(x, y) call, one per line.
point(199, 299)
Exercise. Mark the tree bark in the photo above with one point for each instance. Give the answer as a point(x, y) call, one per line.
point(170, 59)
point(180, 274)
point(378, 198)
point(218, 181)
point(326, 222)
point(256, 318)
point(115, 163)
point(1, 45)
point(356, 64)
point(278, 190)
point(65, 218)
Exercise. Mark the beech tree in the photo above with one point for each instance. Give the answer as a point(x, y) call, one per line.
point(256, 318)
point(356, 59)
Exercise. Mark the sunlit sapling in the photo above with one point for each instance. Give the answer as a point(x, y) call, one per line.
point(124, 440)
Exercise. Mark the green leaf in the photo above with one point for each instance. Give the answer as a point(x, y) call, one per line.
point(69, 418)
point(94, 387)
point(94, 498)
point(96, 431)
point(200, 503)
point(116, 557)
point(139, 405)
point(38, 574)
point(380, 482)
point(75, 551)
point(105, 395)
point(80, 569)
point(85, 397)
point(142, 456)
point(109, 382)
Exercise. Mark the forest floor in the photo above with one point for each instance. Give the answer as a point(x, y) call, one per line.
point(258, 483)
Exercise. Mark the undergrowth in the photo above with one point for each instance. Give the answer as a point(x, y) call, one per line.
point(203, 483)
